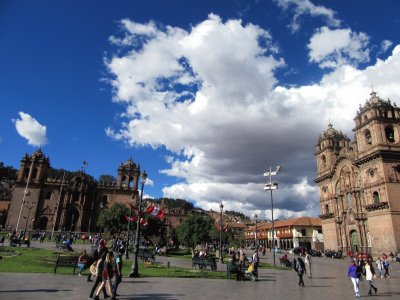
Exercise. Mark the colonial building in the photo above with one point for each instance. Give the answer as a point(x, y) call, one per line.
point(41, 202)
point(359, 182)
point(297, 232)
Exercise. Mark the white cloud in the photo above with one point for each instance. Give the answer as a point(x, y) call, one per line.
point(306, 7)
point(235, 119)
point(334, 48)
point(30, 129)
point(385, 45)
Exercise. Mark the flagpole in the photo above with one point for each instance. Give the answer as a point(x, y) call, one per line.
point(26, 190)
point(58, 206)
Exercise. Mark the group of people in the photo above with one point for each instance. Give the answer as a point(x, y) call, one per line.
point(107, 269)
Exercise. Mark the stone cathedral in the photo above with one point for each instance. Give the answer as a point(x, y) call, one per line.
point(44, 203)
point(359, 181)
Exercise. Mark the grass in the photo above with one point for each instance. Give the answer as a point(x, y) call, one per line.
point(33, 260)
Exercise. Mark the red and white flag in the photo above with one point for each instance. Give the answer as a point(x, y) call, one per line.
point(155, 211)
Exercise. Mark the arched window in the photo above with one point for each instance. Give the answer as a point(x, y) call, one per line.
point(26, 172)
point(34, 173)
point(348, 199)
point(327, 209)
point(389, 132)
point(323, 158)
point(375, 195)
point(368, 138)
point(48, 195)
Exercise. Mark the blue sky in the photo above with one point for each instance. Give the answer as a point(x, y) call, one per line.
point(204, 95)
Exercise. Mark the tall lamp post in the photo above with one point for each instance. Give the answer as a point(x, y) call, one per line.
point(135, 265)
point(272, 186)
point(129, 228)
point(255, 236)
point(221, 257)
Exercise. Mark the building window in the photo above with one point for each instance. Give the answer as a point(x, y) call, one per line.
point(48, 195)
point(320, 231)
point(303, 232)
point(327, 209)
point(389, 133)
point(371, 172)
point(348, 199)
point(323, 158)
point(375, 195)
point(368, 138)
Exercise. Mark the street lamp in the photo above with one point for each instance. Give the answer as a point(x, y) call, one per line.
point(255, 236)
point(272, 186)
point(135, 265)
point(129, 225)
point(221, 258)
point(29, 206)
point(9, 218)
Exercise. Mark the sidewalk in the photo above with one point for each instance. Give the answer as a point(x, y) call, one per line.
point(329, 282)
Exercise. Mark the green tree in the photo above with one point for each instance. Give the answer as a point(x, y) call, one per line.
point(105, 178)
point(195, 230)
point(113, 219)
point(7, 172)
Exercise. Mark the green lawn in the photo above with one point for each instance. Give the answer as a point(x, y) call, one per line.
point(33, 260)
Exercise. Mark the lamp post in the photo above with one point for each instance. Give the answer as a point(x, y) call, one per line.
point(221, 257)
point(135, 265)
point(9, 217)
point(29, 206)
point(255, 236)
point(129, 226)
point(272, 186)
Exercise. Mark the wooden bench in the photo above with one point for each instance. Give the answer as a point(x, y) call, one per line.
point(232, 268)
point(66, 261)
point(204, 263)
point(146, 256)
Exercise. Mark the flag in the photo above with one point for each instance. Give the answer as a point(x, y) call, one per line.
point(155, 211)
point(133, 207)
point(85, 163)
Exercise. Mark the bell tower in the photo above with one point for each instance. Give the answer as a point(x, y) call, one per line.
point(128, 175)
point(37, 166)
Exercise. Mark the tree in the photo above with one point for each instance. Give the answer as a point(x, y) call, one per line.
point(7, 172)
point(113, 219)
point(107, 179)
point(195, 230)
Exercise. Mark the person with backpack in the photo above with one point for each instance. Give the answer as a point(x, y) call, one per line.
point(118, 270)
point(353, 272)
point(299, 267)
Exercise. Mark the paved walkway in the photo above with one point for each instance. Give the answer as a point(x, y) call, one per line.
point(329, 282)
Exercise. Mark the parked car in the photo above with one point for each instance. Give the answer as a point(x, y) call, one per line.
point(333, 254)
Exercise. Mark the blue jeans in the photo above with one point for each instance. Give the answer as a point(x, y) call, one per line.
point(81, 268)
point(118, 279)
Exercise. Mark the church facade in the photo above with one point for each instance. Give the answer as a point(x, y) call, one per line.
point(44, 203)
point(359, 181)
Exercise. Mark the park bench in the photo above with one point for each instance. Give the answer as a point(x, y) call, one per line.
point(203, 263)
point(285, 262)
point(66, 261)
point(232, 268)
point(146, 256)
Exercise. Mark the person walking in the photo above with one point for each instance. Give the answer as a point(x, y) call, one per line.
point(353, 275)
point(379, 267)
point(106, 275)
point(386, 266)
point(102, 253)
point(369, 275)
point(299, 267)
point(307, 261)
point(118, 271)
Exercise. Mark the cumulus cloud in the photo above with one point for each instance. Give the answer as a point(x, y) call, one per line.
point(210, 96)
point(338, 47)
point(302, 8)
point(30, 129)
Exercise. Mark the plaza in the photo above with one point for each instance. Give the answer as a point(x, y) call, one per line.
point(329, 281)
